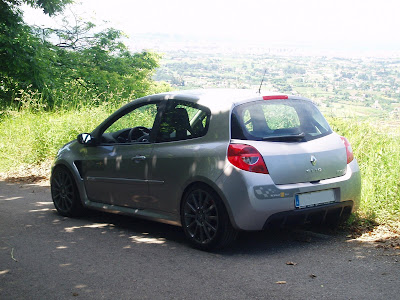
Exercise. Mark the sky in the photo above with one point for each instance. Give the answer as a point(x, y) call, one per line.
point(367, 24)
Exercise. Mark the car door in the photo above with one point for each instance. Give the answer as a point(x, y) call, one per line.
point(116, 171)
point(177, 154)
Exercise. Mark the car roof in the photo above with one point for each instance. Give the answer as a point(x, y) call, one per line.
point(226, 97)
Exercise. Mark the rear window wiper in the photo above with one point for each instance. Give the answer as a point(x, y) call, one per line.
point(283, 138)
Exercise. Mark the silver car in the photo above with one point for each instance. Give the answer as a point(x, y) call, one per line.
point(212, 161)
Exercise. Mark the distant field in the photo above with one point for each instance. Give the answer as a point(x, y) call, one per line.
point(344, 87)
point(349, 110)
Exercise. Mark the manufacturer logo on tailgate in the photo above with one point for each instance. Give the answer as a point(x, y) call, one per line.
point(313, 160)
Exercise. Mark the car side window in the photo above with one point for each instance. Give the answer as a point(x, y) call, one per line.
point(183, 120)
point(134, 126)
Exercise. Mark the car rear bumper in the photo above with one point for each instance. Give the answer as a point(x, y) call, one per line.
point(329, 213)
point(254, 202)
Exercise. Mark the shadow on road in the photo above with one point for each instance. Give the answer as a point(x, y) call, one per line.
point(141, 231)
point(138, 231)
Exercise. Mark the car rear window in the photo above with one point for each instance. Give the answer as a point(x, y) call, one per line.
point(278, 120)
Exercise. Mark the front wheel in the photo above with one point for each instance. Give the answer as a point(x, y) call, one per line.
point(205, 220)
point(65, 193)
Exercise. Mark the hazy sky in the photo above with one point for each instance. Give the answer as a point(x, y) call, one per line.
point(344, 23)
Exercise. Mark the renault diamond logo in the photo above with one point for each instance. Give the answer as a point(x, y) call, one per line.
point(313, 160)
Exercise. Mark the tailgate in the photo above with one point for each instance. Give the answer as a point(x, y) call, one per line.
point(294, 162)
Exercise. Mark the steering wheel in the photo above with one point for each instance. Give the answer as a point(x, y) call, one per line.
point(138, 133)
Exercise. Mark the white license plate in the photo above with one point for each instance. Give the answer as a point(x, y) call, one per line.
point(314, 198)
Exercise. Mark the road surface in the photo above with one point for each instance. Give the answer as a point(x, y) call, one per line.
point(105, 256)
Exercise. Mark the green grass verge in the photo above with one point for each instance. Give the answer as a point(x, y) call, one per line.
point(31, 137)
point(377, 149)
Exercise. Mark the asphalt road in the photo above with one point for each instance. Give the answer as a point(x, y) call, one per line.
point(104, 256)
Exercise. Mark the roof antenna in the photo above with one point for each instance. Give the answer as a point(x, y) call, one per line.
point(262, 80)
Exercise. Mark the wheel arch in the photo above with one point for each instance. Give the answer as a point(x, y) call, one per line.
point(72, 168)
point(213, 186)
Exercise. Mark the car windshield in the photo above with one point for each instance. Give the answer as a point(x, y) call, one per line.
point(278, 120)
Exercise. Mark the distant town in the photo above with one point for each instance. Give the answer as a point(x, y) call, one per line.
point(342, 84)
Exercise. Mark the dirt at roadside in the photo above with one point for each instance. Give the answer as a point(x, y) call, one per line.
point(385, 236)
point(38, 174)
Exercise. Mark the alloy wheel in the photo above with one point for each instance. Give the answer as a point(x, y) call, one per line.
point(201, 216)
point(63, 190)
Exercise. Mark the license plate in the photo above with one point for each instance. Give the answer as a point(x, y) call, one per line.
point(314, 198)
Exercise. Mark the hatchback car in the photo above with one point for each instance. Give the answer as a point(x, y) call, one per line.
point(212, 161)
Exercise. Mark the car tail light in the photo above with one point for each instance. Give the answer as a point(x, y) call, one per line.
point(277, 97)
point(247, 158)
point(349, 151)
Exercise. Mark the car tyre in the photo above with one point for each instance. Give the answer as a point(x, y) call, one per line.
point(205, 220)
point(64, 193)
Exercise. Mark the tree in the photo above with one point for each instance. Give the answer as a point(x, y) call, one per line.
point(99, 61)
point(19, 48)
point(49, 7)
point(60, 61)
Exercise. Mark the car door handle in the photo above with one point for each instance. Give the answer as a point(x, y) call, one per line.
point(138, 158)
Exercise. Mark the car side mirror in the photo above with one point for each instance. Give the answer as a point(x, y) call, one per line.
point(85, 139)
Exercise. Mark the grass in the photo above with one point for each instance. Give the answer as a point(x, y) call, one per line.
point(33, 135)
point(377, 150)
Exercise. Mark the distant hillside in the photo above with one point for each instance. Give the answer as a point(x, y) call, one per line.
point(361, 87)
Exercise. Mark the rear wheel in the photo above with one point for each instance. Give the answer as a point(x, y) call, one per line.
point(65, 193)
point(204, 219)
